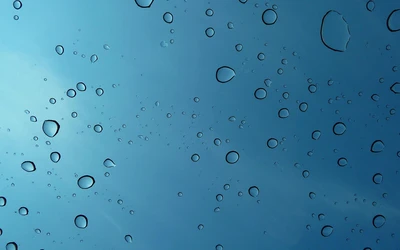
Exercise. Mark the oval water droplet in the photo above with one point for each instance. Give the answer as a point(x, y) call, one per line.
point(81, 221)
point(339, 128)
point(377, 178)
point(335, 33)
point(306, 174)
point(312, 195)
point(106, 47)
point(283, 113)
point(272, 143)
point(33, 118)
point(55, 157)
point(144, 3)
point(395, 88)
point(59, 49)
point(128, 238)
point(378, 221)
point(342, 162)
point(86, 182)
point(377, 146)
point(168, 17)
point(99, 91)
point(195, 157)
point(94, 58)
point(370, 5)
point(217, 141)
point(219, 197)
point(210, 32)
point(239, 47)
point(393, 21)
point(71, 93)
point(3, 201)
point(17, 4)
point(108, 163)
point(200, 226)
point(327, 231)
point(303, 107)
point(28, 166)
point(81, 86)
point(11, 246)
point(98, 128)
point(50, 128)
point(227, 186)
point(23, 211)
point(254, 191)
point(269, 16)
point(225, 74)
point(316, 134)
point(260, 93)
point(232, 157)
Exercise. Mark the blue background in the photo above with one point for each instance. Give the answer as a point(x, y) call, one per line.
point(146, 75)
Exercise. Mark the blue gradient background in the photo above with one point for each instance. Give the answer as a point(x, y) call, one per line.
point(150, 173)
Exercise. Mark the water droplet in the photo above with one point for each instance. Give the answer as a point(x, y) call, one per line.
point(28, 166)
point(377, 146)
point(377, 178)
point(280, 71)
point(375, 97)
point(81, 221)
point(52, 101)
point(316, 134)
point(106, 47)
point(71, 93)
point(168, 17)
point(393, 21)
point(370, 5)
point(17, 4)
point(342, 162)
point(335, 33)
point(269, 16)
point(230, 25)
point(339, 128)
point(81, 86)
point(55, 157)
point(312, 88)
point(3, 201)
point(395, 88)
point(219, 247)
point(232, 157)
point(128, 238)
point(108, 163)
point(209, 12)
point(210, 32)
point(254, 191)
point(217, 141)
point(11, 245)
point(378, 221)
point(238, 47)
point(200, 226)
point(23, 211)
point(98, 128)
point(227, 186)
point(33, 119)
point(219, 197)
point(224, 74)
point(326, 231)
point(86, 182)
point(50, 128)
point(59, 49)
point(195, 157)
point(144, 3)
point(321, 216)
point(260, 93)
point(94, 58)
point(74, 114)
point(306, 174)
point(312, 195)
point(38, 231)
point(243, 1)
point(99, 91)
point(261, 56)
point(283, 113)
point(180, 194)
point(303, 107)
point(272, 143)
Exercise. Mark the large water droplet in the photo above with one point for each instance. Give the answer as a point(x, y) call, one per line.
point(50, 128)
point(335, 33)
point(393, 21)
point(224, 74)
point(108, 163)
point(395, 88)
point(283, 113)
point(86, 182)
point(11, 246)
point(94, 58)
point(232, 157)
point(17, 4)
point(81, 221)
point(3, 201)
point(23, 211)
point(60, 49)
point(168, 17)
point(28, 166)
point(377, 178)
point(128, 238)
point(378, 221)
point(272, 143)
point(55, 157)
point(377, 146)
point(269, 16)
point(254, 191)
point(260, 93)
point(326, 231)
point(339, 128)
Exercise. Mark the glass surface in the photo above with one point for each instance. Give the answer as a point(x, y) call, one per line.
point(191, 124)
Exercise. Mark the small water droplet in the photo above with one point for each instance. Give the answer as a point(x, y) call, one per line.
point(98, 128)
point(225, 74)
point(128, 238)
point(23, 211)
point(209, 12)
point(316, 134)
point(339, 128)
point(321, 216)
point(375, 97)
point(94, 58)
point(17, 4)
point(144, 3)
point(230, 25)
point(200, 226)
point(261, 56)
point(99, 91)
point(108, 163)
point(71, 93)
point(377, 146)
point(232, 157)
point(370, 5)
point(239, 47)
point(210, 32)
point(312, 88)
point(55, 157)
point(16, 17)
point(217, 141)
point(377, 178)
point(254, 191)
point(378, 221)
point(227, 186)
point(33, 119)
point(195, 157)
point(106, 47)
point(335, 33)
point(81, 86)
point(38, 231)
point(28, 166)
point(312, 195)
point(52, 100)
point(74, 114)
point(81, 221)
point(393, 21)
point(342, 162)
point(86, 182)
point(219, 197)
point(59, 49)
point(306, 174)
point(303, 107)
point(272, 143)
point(269, 16)
point(180, 194)
point(50, 128)
point(327, 231)
point(260, 93)
point(219, 247)
point(283, 113)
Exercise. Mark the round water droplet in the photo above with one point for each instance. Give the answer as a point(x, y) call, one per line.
point(378, 221)
point(335, 33)
point(303, 107)
point(370, 5)
point(28, 166)
point(94, 58)
point(144, 3)
point(269, 16)
point(272, 143)
point(59, 49)
point(81, 86)
point(260, 93)
point(210, 32)
point(50, 128)
point(81, 221)
point(306, 174)
point(312, 195)
point(195, 157)
point(219, 197)
point(283, 113)
point(327, 231)
point(52, 100)
point(74, 114)
point(232, 157)
point(86, 182)
point(17, 4)
point(316, 134)
point(261, 57)
point(217, 141)
point(339, 128)
point(254, 191)
point(230, 25)
point(239, 47)
point(377, 146)
point(393, 21)
point(224, 74)
point(16, 17)
point(128, 238)
point(209, 12)
point(11, 245)
point(321, 216)
point(377, 178)
point(33, 119)
point(312, 88)
point(180, 194)
point(99, 91)
point(23, 211)
point(98, 128)
point(71, 93)
point(55, 157)
point(342, 162)
point(168, 17)
point(3, 201)
point(219, 247)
